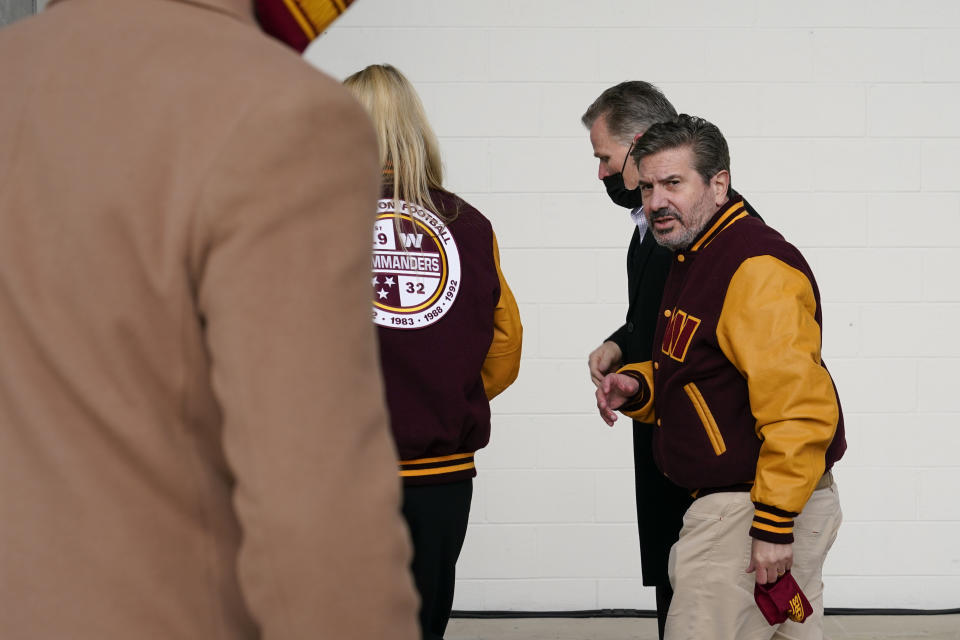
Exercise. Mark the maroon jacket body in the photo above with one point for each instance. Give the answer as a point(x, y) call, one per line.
point(741, 396)
point(449, 332)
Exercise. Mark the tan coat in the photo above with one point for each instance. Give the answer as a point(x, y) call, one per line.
point(193, 442)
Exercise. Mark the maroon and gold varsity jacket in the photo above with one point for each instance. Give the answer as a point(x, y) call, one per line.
point(449, 329)
point(737, 386)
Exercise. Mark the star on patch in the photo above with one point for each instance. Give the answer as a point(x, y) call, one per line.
point(389, 282)
point(375, 281)
point(382, 294)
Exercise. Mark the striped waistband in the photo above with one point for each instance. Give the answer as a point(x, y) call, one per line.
point(436, 466)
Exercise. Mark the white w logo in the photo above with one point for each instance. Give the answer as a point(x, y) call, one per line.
point(411, 240)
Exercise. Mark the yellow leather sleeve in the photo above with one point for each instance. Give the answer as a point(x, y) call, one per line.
point(768, 331)
point(502, 364)
point(640, 406)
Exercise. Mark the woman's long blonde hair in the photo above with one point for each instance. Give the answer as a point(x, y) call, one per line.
point(408, 146)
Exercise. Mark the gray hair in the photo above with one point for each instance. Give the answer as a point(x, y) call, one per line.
point(629, 108)
point(710, 152)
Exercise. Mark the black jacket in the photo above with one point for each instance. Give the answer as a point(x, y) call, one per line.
point(647, 267)
point(660, 503)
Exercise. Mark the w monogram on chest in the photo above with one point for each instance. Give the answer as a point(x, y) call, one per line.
point(681, 328)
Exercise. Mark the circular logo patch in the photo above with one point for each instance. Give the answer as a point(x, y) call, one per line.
point(416, 266)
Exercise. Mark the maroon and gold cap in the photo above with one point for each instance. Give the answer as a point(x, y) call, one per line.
point(298, 22)
point(781, 600)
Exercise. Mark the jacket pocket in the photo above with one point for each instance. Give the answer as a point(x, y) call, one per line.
point(706, 418)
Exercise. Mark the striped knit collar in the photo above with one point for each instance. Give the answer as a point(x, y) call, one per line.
point(733, 210)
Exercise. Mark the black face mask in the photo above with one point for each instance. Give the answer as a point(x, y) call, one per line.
point(618, 192)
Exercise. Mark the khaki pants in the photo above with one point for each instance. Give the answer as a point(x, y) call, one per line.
point(713, 594)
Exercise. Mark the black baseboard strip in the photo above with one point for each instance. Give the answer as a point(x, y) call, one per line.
point(837, 611)
point(594, 613)
point(646, 613)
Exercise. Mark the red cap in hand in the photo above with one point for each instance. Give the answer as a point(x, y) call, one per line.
point(781, 600)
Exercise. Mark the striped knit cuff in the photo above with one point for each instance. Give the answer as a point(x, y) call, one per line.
point(771, 524)
point(643, 395)
point(437, 466)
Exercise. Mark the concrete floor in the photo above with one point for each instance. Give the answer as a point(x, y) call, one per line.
point(836, 628)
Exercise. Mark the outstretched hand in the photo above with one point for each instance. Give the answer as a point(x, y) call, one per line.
point(614, 390)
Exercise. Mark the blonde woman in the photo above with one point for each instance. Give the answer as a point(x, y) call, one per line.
point(449, 331)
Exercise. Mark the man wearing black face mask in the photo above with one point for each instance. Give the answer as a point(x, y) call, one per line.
point(616, 120)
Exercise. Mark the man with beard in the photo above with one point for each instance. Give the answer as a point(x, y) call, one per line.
point(748, 419)
point(194, 440)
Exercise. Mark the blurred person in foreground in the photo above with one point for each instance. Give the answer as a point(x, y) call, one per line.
point(747, 416)
point(449, 329)
point(193, 438)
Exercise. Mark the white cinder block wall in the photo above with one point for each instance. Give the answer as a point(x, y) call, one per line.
point(843, 118)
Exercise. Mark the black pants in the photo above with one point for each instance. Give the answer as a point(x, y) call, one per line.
point(664, 596)
point(437, 517)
